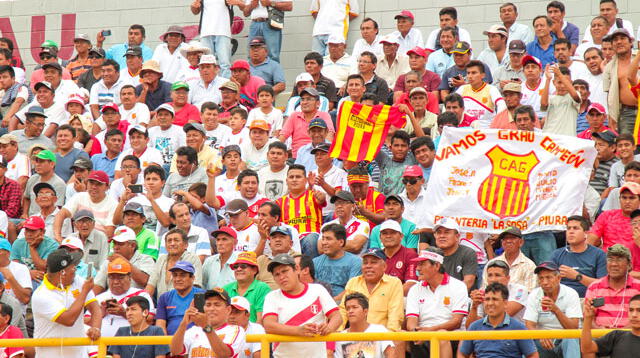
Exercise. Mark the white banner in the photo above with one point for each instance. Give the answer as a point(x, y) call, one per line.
point(492, 179)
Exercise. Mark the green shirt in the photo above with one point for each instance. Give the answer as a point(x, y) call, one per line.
point(148, 243)
point(255, 295)
point(409, 240)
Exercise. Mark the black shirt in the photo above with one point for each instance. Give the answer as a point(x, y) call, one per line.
point(619, 344)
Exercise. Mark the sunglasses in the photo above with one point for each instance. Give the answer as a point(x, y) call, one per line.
point(94, 57)
point(411, 181)
point(240, 266)
point(46, 57)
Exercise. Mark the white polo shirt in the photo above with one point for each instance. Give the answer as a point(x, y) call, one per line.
point(313, 305)
point(138, 114)
point(102, 95)
point(48, 303)
point(65, 89)
point(198, 93)
point(55, 113)
point(433, 308)
point(339, 71)
point(414, 210)
point(170, 63)
point(413, 39)
point(362, 45)
point(128, 78)
point(568, 302)
point(250, 348)
point(198, 239)
point(196, 344)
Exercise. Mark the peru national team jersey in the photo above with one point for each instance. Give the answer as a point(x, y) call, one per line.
point(196, 343)
point(303, 213)
point(355, 227)
point(313, 305)
point(482, 103)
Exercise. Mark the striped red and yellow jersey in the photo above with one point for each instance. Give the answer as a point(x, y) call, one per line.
point(374, 202)
point(303, 212)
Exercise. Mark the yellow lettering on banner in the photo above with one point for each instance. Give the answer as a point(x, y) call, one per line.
point(360, 123)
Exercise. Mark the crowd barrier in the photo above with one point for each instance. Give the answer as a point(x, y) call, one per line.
point(266, 339)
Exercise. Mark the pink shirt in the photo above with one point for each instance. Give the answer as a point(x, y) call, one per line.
point(297, 128)
point(249, 92)
point(588, 134)
point(188, 113)
point(614, 313)
point(613, 228)
point(11, 332)
point(38, 76)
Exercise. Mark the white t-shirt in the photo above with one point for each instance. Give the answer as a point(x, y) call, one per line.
point(313, 305)
point(19, 166)
point(518, 294)
point(226, 185)
point(273, 185)
point(55, 114)
point(48, 301)
point(116, 189)
point(248, 238)
point(333, 16)
point(531, 97)
point(64, 90)
point(150, 155)
point(475, 241)
point(239, 138)
point(362, 348)
point(579, 71)
point(21, 273)
point(110, 322)
point(102, 211)
point(128, 79)
point(188, 74)
point(433, 308)
point(170, 63)
point(215, 19)
point(568, 302)
point(138, 114)
point(355, 227)
point(218, 138)
point(198, 239)
point(167, 141)
point(274, 118)
point(196, 343)
point(151, 219)
point(335, 177)
point(250, 348)
point(463, 35)
point(255, 159)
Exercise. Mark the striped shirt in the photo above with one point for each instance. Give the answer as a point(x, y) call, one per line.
point(77, 68)
point(373, 202)
point(303, 212)
point(615, 312)
point(613, 227)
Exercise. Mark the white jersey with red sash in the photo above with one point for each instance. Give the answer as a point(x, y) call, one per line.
point(482, 103)
point(354, 227)
point(196, 344)
point(313, 305)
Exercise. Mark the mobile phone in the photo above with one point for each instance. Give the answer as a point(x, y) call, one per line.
point(198, 301)
point(90, 270)
point(106, 33)
point(111, 302)
point(597, 302)
point(458, 77)
point(136, 188)
point(515, 80)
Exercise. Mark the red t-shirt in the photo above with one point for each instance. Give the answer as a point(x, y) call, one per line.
point(400, 265)
point(188, 113)
point(9, 333)
point(249, 92)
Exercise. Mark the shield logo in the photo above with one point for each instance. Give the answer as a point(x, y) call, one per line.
point(506, 190)
point(314, 309)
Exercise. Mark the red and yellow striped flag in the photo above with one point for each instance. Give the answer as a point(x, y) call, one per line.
point(362, 130)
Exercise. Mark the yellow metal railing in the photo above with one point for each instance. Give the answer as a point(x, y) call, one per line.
point(266, 339)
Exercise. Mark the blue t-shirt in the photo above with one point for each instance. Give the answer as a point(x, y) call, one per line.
point(592, 262)
point(63, 164)
point(337, 272)
point(139, 350)
point(409, 240)
point(505, 348)
point(20, 251)
point(172, 306)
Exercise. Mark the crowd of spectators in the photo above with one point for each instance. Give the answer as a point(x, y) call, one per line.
point(162, 192)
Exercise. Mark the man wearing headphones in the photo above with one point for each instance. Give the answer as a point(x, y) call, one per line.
point(58, 306)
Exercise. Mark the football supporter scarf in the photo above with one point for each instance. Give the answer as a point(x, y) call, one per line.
point(362, 130)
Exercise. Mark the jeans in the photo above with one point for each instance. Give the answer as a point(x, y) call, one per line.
point(309, 244)
point(220, 46)
point(319, 44)
point(538, 246)
point(627, 119)
point(272, 37)
point(563, 348)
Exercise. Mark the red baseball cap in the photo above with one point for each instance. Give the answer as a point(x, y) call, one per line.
point(418, 51)
point(598, 107)
point(110, 106)
point(225, 230)
point(406, 14)
point(528, 58)
point(412, 171)
point(34, 223)
point(240, 65)
point(99, 176)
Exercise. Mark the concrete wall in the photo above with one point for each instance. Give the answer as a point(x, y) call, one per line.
point(25, 19)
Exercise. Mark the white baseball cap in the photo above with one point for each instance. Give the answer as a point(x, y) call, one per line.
point(304, 77)
point(124, 234)
point(72, 242)
point(390, 39)
point(241, 303)
point(208, 60)
point(448, 223)
point(391, 224)
point(335, 39)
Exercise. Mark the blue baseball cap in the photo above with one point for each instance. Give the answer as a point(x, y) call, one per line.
point(317, 122)
point(5, 245)
point(379, 253)
point(184, 266)
point(280, 229)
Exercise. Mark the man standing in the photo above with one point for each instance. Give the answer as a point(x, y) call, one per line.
point(495, 55)
point(553, 306)
point(215, 30)
point(496, 319)
point(135, 37)
point(331, 17)
point(261, 24)
point(580, 264)
point(593, 58)
point(622, 104)
point(542, 46)
point(284, 314)
point(59, 312)
point(517, 31)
